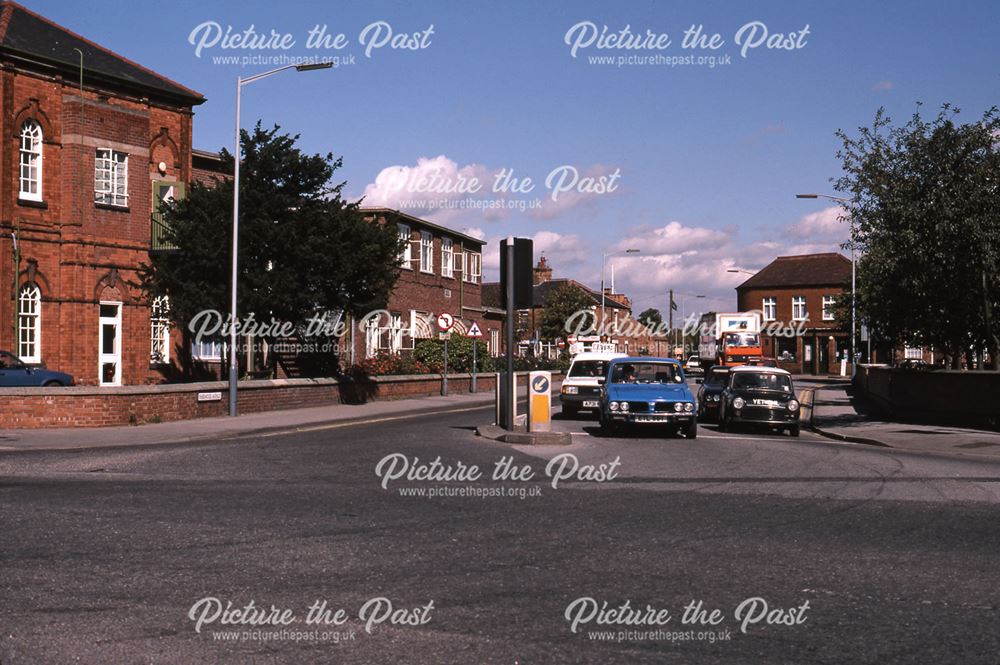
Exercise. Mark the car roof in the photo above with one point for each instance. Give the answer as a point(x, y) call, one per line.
point(646, 359)
point(597, 355)
point(759, 368)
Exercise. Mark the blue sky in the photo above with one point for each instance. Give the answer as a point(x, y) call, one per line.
point(709, 158)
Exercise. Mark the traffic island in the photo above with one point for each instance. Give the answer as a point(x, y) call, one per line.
point(524, 438)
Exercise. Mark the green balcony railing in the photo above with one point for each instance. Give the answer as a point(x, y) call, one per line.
point(158, 235)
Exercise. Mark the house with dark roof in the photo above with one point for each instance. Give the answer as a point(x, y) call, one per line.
point(796, 296)
point(94, 143)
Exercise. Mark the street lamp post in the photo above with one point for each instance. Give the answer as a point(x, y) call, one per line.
point(604, 259)
point(240, 82)
point(843, 202)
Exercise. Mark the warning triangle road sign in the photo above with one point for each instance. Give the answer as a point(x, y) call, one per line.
point(474, 331)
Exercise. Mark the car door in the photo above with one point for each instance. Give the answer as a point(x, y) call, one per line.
point(12, 371)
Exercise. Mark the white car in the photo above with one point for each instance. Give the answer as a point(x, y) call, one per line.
point(580, 388)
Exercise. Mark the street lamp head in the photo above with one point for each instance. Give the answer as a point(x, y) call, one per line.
point(312, 66)
point(631, 251)
point(807, 196)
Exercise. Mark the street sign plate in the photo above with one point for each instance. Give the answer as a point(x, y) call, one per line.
point(474, 331)
point(445, 321)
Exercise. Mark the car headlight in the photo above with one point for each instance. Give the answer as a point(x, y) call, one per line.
point(613, 406)
point(688, 406)
point(793, 405)
point(716, 398)
point(570, 390)
point(623, 406)
point(738, 403)
point(678, 406)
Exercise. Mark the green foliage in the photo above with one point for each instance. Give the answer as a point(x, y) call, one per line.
point(430, 352)
point(924, 210)
point(651, 317)
point(389, 364)
point(303, 250)
point(564, 301)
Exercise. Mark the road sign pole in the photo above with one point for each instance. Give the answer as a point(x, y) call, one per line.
point(472, 381)
point(508, 405)
point(444, 381)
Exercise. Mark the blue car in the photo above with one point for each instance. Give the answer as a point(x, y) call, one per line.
point(14, 373)
point(648, 391)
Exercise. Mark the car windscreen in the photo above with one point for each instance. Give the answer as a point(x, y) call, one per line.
point(588, 368)
point(742, 339)
point(645, 373)
point(717, 378)
point(762, 381)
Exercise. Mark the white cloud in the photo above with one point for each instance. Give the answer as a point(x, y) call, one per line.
point(824, 224)
point(474, 231)
point(565, 184)
point(883, 86)
point(674, 238)
point(421, 189)
point(563, 251)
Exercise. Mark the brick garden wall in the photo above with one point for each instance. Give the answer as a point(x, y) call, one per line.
point(970, 399)
point(82, 406)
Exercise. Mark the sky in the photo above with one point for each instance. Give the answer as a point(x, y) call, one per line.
point(631, 140)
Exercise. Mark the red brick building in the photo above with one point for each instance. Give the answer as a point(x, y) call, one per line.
point(441, 273)
point(799, 292)
point(86, 154)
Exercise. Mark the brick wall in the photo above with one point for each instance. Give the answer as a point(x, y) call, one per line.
point(967, 399)
point(34, 408)
point(77, 252)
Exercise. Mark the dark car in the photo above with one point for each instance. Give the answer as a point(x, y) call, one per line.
point(761, 396)
point(647, 391)
point(763, 362)
point(710, 392)
point(14, 373)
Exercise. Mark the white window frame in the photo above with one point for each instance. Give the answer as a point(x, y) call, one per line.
point(447, 258)
point(474, 267)
point(913, 353)
point(29, 323)
point(198, 351)
point(159, 331)
point(117, 354)
point(799, 310)
point(769, 307)
point(426, 252)
point(30, 162)
point(406, 257)
point(828, 304)
point(111, 177)
point(494, 342)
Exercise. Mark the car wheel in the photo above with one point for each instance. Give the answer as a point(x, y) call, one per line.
point(607, 427)
point(52, 384)
point(691, 431)
point(794, 430)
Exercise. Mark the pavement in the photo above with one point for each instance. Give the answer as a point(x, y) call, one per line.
point(827, 405)
point(838, 414)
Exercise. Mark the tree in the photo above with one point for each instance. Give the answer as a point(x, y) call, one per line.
point(924, 214)
point(304, 251)
point(651, 317)
point(564, 301)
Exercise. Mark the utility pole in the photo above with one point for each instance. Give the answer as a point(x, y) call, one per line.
point(670, 315)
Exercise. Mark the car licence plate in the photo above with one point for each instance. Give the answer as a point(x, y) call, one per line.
point(590, 404)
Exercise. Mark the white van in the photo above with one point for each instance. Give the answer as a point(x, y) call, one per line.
point(580, 388)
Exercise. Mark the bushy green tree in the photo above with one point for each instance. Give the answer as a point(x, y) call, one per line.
point(925, 217)
point(564, 301)
point(303, 250)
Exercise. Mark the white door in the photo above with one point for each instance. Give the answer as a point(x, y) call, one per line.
point(110, 341)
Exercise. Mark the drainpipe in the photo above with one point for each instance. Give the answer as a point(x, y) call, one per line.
point(16, 260)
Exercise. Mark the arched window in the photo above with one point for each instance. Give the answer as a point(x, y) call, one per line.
point(29, 324)
point(159, 331)
point(31, 161)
